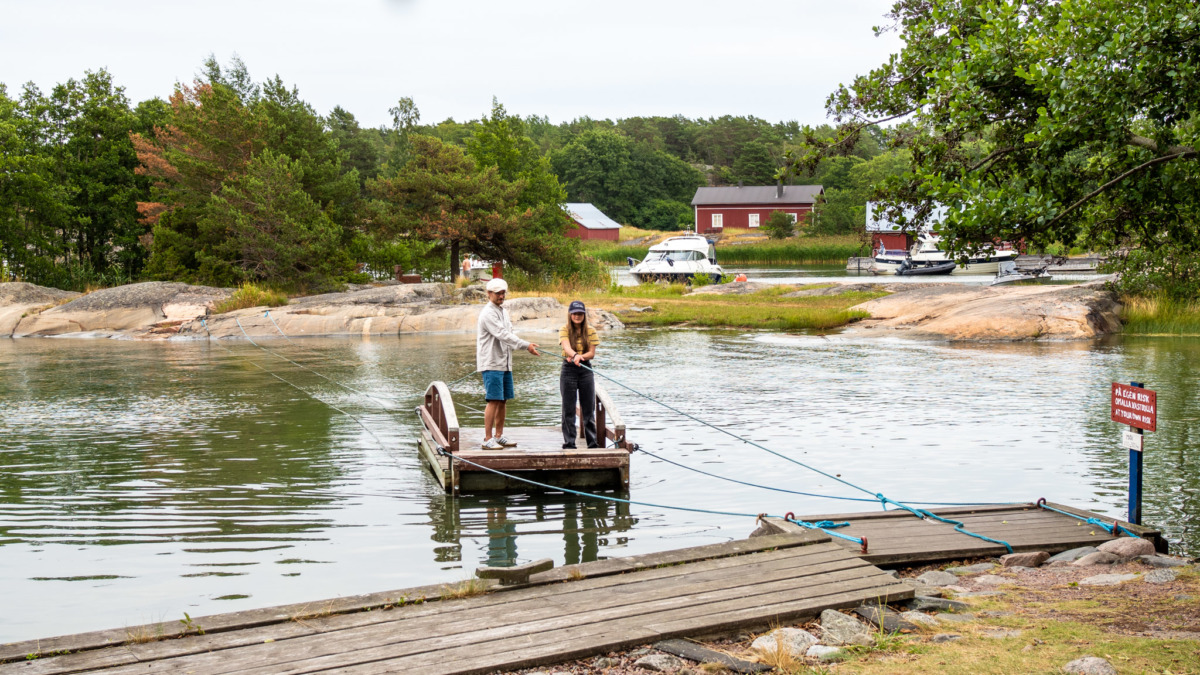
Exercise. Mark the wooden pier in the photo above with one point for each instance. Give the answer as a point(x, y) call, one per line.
point(565, 613)
point(898, 538)
point(454, 456)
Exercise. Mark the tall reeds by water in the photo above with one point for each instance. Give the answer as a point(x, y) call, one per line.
point(1160, 316)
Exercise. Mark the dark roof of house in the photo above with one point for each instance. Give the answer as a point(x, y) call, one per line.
point(757, 194)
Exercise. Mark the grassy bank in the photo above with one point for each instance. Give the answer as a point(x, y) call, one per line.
point(741, 247)
point(673, 306)
point(1160, 316)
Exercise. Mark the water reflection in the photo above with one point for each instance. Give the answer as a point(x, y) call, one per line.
point(142, 480)
point(587, 527)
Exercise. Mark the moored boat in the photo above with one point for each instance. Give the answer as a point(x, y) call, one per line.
point(678, 259)
point(1009, 274)
point(925, 252)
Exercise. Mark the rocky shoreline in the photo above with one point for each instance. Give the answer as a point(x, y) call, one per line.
point(165, 310)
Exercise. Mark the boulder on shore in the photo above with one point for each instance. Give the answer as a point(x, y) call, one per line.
point(387, 310)
point(956, 312)
point(19, 299)
point(129, 308)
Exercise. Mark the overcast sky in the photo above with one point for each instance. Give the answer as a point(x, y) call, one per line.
point(775, 59)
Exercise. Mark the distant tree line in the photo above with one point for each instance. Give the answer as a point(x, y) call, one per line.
point(230, 180)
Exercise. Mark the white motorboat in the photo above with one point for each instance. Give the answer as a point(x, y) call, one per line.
point(678, 259)
point(925, 253)
point(1009, 274)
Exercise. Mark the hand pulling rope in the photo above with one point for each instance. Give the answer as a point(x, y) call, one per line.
point(1111, 529)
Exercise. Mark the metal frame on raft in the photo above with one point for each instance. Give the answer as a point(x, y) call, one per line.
point(539, 456)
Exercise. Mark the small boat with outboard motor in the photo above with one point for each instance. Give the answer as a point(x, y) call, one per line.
point(678, 259)
point(1009, 274)
point(910, 269)
point(925, 252)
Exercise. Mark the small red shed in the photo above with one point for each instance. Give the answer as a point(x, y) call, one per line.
point(891, 236)
point(749, 206)
point(591, 223)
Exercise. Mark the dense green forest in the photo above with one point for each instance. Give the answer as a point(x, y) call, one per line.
point(234, 180)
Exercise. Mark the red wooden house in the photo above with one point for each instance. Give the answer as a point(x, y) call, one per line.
point(749, 206)
point(591, 223)
point(891, 236)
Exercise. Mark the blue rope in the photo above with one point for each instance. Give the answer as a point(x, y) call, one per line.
point(344, 386)
point(297, 387)
point(879, 496)
point(825, 526)
point(808, 494)
point(958, 525)
point(811, 526)
point(1112, 529)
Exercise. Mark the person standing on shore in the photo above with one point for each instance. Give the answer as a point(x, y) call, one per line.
point(576, 381)
point(495, 342)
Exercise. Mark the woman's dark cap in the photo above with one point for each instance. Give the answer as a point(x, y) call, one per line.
point(577, 308)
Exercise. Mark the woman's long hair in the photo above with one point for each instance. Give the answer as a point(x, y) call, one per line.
point(578, 332)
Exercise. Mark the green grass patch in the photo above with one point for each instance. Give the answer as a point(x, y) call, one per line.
point(251, 295)
point(672, 305)
point(1160, 316)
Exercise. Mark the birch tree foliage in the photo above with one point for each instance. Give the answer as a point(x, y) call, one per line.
point(1037, 120)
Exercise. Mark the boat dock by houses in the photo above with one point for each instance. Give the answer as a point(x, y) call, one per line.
point(787, 573)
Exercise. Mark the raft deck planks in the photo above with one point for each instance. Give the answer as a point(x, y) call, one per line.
point(538, 455)
point(750, 584)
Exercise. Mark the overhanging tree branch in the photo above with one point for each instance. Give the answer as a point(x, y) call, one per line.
point(1186, 154)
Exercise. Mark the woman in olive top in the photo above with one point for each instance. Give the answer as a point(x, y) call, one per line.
point(575, 382)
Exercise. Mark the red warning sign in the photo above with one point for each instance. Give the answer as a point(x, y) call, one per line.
point(1134, 406)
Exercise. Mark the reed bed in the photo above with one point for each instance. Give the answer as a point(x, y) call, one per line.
point(672, 305)
point(1160, 316)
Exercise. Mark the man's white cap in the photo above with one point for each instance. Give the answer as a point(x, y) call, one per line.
point(497, 285)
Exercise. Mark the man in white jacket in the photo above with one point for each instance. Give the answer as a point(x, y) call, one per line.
point(494, 345)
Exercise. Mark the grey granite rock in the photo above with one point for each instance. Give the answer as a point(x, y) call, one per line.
point(660, 663)
point(936, 578)
point(1090, 665)
point(1071, 555)
point(1127, 547)
point(925, 603)
point(945, 637)
point(1001, 633)
point(792, 641)
point(991, 580)
point(823, 652)
point(966, 617)
point(1028, 559)
point(1107, 579)
point(918, 618)
point(1161, 576)
point(1162, 561)
point(1098, 558)
point(841, 629)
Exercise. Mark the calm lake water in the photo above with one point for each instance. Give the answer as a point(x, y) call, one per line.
point(819, 274)
point(140, 481)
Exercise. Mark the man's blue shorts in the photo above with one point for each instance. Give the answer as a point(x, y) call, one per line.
point(498, 385)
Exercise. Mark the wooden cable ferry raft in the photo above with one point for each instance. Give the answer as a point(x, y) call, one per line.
point(454, 456)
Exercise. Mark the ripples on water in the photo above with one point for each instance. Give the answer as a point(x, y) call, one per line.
point(140, 481)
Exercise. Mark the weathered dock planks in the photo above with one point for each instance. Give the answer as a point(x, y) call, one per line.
point(900, 538)
point(603, 606)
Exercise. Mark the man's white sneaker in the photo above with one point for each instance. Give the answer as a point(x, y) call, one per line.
point(492, 444)
point(505, 442)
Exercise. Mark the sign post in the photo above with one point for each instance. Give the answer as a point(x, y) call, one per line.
point(1138, 407)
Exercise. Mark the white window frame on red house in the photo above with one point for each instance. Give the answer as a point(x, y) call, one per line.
point(753, 219)
point(718, 221)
